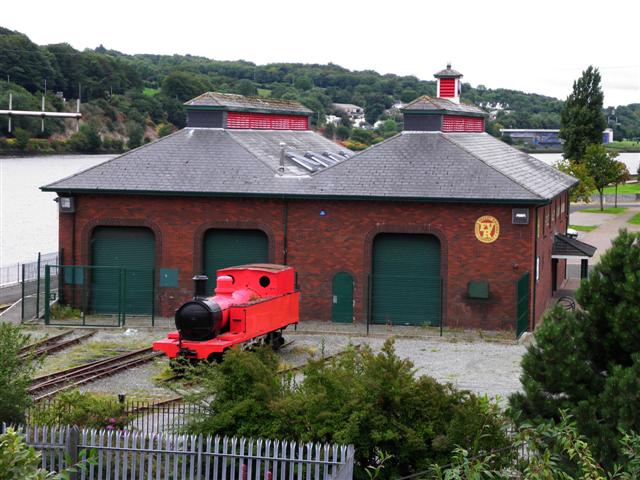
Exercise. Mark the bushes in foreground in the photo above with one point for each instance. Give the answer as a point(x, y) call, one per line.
point(587, 363)
point(15, 375)
point(373, 401)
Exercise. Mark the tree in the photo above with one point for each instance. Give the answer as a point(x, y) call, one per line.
point(587, 362)
point(602, 167)
point(135, 133)
point(87, 139)
point(184, 86)
point(581, 192)
point(343, 132)
point(329, 131)
point(582, 120)
point(621, 176)
point(246, 87)
point(303, 83)
point(22, 138)
point(15, 375)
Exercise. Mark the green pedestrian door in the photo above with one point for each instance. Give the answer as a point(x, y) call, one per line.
point(342, 298)
point(125, 257)
point(405, 283)
point(227, 248)
point(522, 320)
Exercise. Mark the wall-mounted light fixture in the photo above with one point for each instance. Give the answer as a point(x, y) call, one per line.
point(66, 204)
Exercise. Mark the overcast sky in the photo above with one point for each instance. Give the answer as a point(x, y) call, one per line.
point(536, 46)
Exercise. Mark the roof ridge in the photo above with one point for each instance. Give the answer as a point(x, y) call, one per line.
point(49, 185)
point(356, 154)
point(230, 134)
point(491, 166)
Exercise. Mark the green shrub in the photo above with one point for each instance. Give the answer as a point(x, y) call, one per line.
point(373, 401)
point(22, 138)
point(164, 129)
point(15, 375)
point(81, 409)
point(64, 312)
point(19, 461)
point(87, 139)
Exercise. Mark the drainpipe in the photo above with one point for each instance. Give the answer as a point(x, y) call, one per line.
point(535, 271)
point(285, 223)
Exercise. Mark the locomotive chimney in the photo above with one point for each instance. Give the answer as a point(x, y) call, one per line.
point(200, 286)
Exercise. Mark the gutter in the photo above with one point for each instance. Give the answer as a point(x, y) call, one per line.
point(296, 196)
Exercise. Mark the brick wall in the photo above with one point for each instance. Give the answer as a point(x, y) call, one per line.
point(321, 246)
point(553, 219)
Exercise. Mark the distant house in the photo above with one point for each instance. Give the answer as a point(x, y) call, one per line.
point(354, 112)
point(333, 119)
point(349, 108)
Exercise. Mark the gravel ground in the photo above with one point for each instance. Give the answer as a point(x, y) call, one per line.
point(480, 366)
point(463, 359)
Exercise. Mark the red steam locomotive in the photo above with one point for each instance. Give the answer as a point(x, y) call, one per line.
point(252, 305)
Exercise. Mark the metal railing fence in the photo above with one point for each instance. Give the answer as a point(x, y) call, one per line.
point(100, 296)
point(168, 416)
point(32, 285)
point(14, 273)
point(123, 454)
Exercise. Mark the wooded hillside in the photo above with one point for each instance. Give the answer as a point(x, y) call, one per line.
point(141, 95)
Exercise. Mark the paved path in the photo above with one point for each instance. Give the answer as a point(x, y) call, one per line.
point(608, 227)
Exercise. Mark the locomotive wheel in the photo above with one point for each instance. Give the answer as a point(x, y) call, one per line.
point(215, 357)
point(275, 339)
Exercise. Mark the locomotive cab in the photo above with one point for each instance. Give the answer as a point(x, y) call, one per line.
point(251, 304)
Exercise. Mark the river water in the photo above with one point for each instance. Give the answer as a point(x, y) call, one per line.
point(29, 217)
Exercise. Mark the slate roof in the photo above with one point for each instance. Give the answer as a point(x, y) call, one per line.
point(564, 245)
point(204, 160)
point(421, 166)
point(434, 165)
point(233, 102)
point(428, 104)
point(447, 72)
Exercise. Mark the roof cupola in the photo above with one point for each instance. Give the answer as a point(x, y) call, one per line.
point(231, 111)
point(444, 113)
point(448, 84)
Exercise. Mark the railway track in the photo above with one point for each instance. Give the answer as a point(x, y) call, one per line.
point(323, 359)
point(45, 342)
point(49, 385)
point(52, 344)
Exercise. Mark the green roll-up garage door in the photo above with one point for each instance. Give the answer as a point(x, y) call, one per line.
point(226, 248)
point(406, 279)
point(124, 254)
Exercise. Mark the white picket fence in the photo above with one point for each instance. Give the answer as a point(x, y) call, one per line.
point(121, 455)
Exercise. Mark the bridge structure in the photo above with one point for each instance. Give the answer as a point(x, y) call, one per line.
point(40, 113)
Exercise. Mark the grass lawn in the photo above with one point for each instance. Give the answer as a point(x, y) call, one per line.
point(635, 219)
point(624, 144)
point(150, 92)
point(583, 228)
point(610, 210)
point(625, 188)
point(264, 92)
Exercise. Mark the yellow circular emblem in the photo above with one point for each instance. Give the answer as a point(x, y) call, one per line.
point(487, 229)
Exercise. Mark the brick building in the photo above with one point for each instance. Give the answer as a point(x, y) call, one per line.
point(440, 223)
